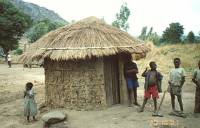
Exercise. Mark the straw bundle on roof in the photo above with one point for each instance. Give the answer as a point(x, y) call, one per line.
point(84, 39)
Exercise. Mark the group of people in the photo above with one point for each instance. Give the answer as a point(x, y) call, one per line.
point(152, 87)
point(153, 81)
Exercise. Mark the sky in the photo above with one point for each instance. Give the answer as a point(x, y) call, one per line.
point(151, 13)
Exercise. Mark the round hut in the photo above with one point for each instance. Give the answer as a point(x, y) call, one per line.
point(83, 64)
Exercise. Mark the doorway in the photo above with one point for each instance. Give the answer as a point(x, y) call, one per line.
point(111, 77)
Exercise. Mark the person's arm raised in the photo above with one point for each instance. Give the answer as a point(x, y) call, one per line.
point(144, 74)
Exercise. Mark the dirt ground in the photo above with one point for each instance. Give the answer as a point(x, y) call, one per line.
point(12, 82)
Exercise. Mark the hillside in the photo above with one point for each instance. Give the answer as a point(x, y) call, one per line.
point(164, 55)
point(188, 53)
point(38, 13)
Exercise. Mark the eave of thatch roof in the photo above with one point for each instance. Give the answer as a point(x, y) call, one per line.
point(84, 39)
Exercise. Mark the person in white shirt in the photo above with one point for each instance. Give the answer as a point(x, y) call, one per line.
point(9, 60)
point(176, 81)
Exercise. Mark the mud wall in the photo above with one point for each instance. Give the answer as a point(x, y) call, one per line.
point(75, 85)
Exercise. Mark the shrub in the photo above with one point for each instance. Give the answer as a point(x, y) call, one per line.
point(18, 51)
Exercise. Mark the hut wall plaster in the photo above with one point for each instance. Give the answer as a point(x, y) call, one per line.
point(75, 84)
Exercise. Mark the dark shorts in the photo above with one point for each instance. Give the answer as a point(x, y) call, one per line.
point(176, 90)
point(131, 83)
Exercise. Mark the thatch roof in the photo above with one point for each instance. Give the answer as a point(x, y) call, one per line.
point(84, 39)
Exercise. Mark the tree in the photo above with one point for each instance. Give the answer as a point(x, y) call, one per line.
point(122, 18)
point(13, 24)
point(197, 38)
point(191, 37)
point(150, 32)
point(143, 33)
point(151, 36)
point(173, 33)
point(41, 28)
point(155, 38)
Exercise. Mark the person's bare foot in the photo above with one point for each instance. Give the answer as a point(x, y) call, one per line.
point(46, 125)
point(136, 103)
point(174, 110)
point(34, 120)
point(140, 109)
point(130, 105)
point(181, 112)
point(26, 122)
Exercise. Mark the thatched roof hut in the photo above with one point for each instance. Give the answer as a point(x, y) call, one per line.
point(83, 64)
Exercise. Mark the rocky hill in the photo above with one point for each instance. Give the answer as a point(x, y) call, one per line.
point(38, 13)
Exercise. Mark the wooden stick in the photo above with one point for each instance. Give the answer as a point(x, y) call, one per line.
point(163, 97)
point(83, 48)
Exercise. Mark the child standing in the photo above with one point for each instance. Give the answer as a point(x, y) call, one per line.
point(30, 106)
point(176, 81)
point(152, 85)
point(196, 80)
